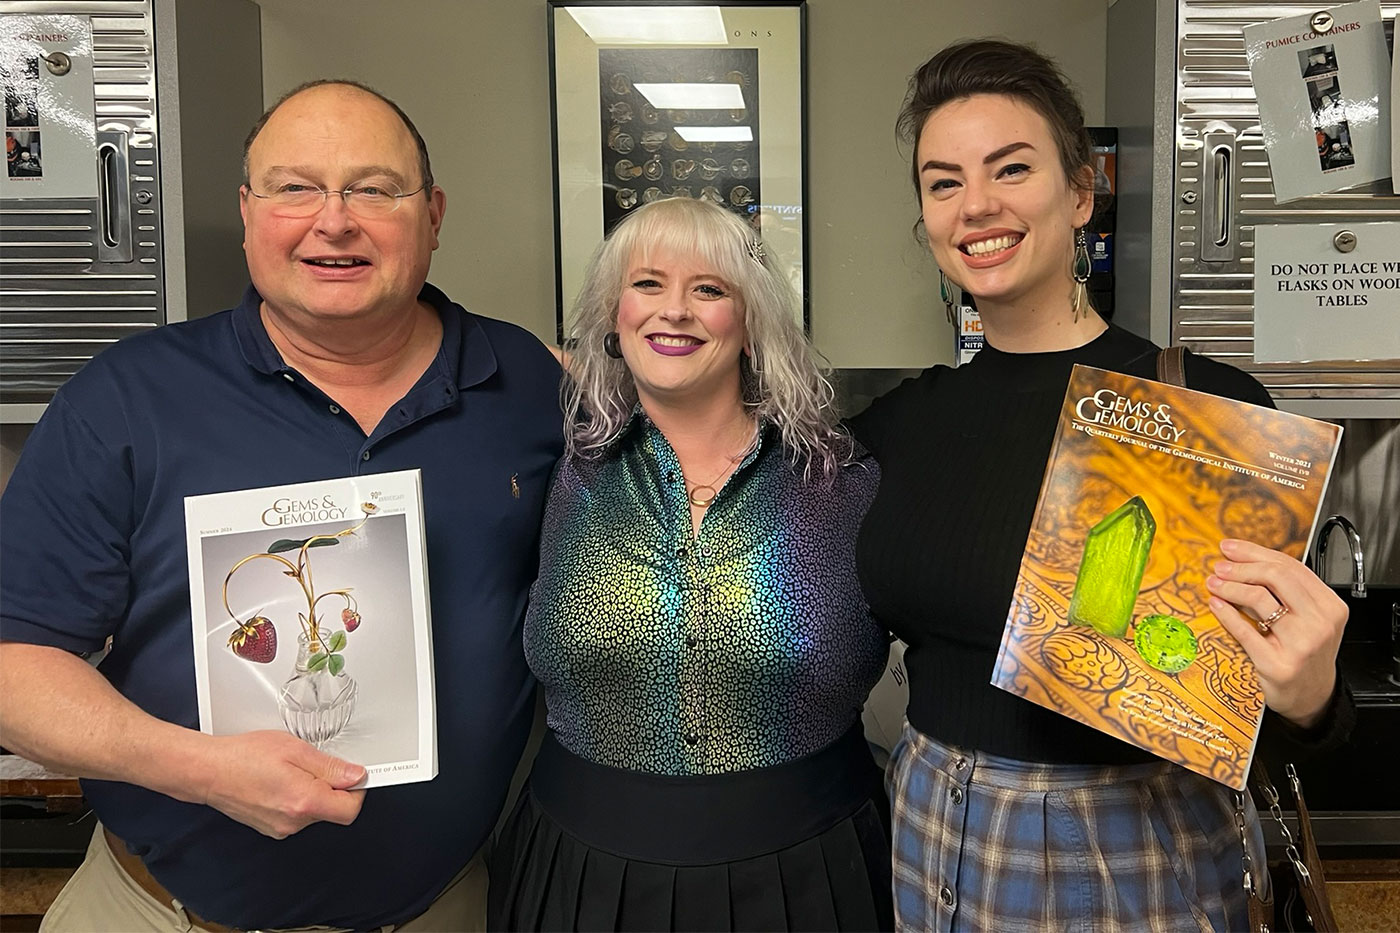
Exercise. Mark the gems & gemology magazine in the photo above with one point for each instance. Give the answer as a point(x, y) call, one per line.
point(310, 614)
point(1110, 622)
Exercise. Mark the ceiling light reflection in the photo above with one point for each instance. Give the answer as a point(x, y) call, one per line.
point(681, 95)
point(715, 134)
point(645, 25)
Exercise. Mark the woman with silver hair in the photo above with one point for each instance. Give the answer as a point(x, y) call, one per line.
point(697, 623)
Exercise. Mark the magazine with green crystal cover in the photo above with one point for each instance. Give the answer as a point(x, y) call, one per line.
point(1110, 622)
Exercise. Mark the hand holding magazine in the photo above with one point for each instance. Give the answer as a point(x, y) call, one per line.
point(1110, 622)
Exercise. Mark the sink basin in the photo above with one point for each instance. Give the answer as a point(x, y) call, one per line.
point(1358, 778)
point(1367, 653)
point(1370, 614)
point(1369, 671)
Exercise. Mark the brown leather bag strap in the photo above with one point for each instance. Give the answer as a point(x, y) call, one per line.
point(1314, 895)
point(1306, 864)
point(1261, 913)
point(1255, 872)
point(1171, 367)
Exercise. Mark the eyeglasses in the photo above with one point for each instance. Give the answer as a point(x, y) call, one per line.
point(366, 199)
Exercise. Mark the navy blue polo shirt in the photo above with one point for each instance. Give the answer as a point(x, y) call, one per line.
point(93, 545)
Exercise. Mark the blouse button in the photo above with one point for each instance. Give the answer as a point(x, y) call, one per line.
point(957, 795)
point(946, 896)
point(680, 552)
point(670, 477)
point(691, 642)
point(335, 409)
point(692, 739)
point(365, 455)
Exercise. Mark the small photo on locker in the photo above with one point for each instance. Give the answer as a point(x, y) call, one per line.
point(22, 154)
point(21, 106)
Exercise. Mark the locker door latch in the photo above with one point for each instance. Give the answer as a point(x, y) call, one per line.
point(57, 63)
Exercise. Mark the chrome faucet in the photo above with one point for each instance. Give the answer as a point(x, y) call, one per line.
point(1358, 565)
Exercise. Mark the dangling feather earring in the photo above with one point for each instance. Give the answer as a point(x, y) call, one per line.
point(1080, 270)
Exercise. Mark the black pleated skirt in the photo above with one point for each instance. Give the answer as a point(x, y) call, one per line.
point(799, 846)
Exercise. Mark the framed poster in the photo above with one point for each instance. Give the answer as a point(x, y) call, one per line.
point(677, 99)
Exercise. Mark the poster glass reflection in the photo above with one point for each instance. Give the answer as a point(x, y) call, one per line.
point(656, 100)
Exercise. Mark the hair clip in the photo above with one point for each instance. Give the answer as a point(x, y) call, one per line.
point(756, 251)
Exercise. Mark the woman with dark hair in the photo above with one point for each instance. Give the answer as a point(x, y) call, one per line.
point(697, 624)
point(1008, 816)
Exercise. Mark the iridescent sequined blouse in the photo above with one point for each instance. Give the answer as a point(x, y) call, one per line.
point(746, 646)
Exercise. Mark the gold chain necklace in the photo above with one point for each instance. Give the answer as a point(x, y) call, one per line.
point(697, 493)
point(701, 501)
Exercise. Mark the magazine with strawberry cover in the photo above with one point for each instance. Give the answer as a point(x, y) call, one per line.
point(1110, 622)
point(310, 615)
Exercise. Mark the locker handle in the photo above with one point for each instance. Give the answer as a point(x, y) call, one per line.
point(114, 198)
point(1220, 159)
point(1217, 221)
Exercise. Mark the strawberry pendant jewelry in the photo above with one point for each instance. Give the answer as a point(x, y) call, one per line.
point(255, 640)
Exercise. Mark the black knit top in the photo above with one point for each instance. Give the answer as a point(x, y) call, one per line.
point(962, 453)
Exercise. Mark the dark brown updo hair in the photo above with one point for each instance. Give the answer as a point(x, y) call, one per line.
point(996, 66)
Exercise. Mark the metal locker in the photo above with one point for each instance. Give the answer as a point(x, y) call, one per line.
point(158, 238)
point(1194, 183)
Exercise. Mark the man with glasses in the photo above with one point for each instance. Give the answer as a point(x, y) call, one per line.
point(339, 361)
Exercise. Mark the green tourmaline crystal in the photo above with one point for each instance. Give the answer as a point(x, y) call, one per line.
point(1165, 642)
point(1115, 556)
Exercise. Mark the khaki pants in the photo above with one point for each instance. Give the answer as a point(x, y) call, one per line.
point(102, 898)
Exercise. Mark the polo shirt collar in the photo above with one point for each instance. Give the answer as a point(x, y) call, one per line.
point(465, 357)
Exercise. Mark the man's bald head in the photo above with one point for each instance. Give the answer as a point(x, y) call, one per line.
point(425, 167)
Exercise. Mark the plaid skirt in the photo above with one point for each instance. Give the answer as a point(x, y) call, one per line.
point(989, 843)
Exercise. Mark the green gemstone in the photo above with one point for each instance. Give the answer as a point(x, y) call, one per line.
point(1082, 265)
point(1110, 573)
point(1165, 642)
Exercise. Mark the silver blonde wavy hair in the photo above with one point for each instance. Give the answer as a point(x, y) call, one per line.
point(783, 381)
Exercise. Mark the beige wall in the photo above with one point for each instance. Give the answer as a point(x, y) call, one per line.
point(474, 76)
point(874, 290)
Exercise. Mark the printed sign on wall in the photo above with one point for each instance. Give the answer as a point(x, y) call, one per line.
point(1319, 79)
point(1326, 292)
point(50, 132)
